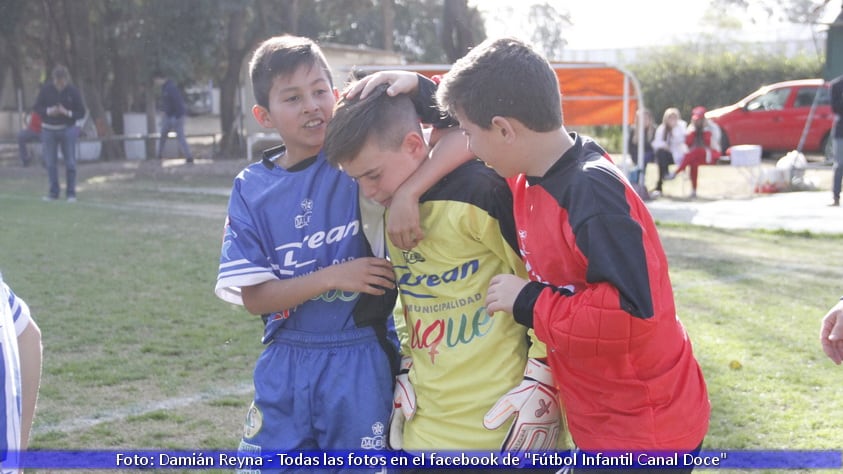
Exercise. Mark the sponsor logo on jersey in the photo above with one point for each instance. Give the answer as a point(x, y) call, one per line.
point(303, 219)
point(412, 257)
point(452, 331)
point(406, 279)
point(291, 252)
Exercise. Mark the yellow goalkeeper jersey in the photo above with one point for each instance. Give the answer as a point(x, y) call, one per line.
point(463, 359)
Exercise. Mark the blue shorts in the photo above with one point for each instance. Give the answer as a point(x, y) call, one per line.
point(320, 392)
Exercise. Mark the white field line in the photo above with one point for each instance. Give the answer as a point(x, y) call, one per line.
point(141, 206)
point(121, 414)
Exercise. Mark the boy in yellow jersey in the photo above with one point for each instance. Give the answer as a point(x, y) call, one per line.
point(464, 373)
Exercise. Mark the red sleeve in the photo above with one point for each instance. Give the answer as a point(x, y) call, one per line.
point(35, 122)
point(615, 306)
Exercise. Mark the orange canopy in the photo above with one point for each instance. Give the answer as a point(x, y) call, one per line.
point(592, 93)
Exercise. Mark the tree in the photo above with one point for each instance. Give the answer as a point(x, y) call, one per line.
point(243, 29)
point(792, 11)
point(388, 12)
point(82, 49)
point(11, 14)
point(112, 46)
point(457, 34)
point(548, 26)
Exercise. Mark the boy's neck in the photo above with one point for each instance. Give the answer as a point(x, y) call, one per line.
point(545, 149)
point(293, 157)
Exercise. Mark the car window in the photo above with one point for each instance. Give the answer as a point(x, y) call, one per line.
point(805, 97)
point(773, 100)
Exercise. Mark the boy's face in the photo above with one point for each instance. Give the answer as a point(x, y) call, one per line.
point(300, 106)
point(487, 144)
point(380, 172)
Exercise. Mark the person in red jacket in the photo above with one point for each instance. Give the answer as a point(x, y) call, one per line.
point(703, 140)
point(599, 294)
point(30, 134)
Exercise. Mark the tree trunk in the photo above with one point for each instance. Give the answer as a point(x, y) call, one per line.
point(119, 90)
point(82, 48)
point(235, 35)
point(151, 114)
point(240, 39)
point(232, 140)
point(292, 22)
point(456, 29)
point(388, 10)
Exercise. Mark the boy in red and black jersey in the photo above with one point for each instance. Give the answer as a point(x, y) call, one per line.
point(599, 294)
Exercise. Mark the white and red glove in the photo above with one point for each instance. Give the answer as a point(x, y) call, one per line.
point(403, 404)
point(536, 408)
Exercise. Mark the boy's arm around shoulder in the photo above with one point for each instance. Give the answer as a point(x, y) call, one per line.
point(403, 223)
point(362, 275)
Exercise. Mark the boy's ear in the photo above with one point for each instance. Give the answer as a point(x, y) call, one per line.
point(414, 145)
point(504, 127)
point(261, 114)
point(336, 94)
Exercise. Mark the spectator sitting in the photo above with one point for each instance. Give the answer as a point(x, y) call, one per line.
point(669, 144)
point(30, 134)
point(703, 141)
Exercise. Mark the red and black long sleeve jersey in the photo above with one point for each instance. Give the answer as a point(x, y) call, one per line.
point(601, 300)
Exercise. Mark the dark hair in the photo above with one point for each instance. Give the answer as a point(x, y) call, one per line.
point(281, 55)
point(378, 116)
point(503, 77)
point(60, 72)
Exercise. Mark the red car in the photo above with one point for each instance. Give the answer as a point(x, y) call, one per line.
point(774, 117)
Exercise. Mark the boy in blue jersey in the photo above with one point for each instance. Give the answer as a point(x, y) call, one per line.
point(20, 341)
point(294, 251)
point(465, 373)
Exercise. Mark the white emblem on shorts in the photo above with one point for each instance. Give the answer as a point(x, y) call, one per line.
point(374, 442)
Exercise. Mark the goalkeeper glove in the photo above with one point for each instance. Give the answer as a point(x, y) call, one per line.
point(536, 408)
point(403, 404)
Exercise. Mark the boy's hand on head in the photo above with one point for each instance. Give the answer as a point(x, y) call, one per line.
point(370, 275)
point(503, 289)
point(400, 82)
point(402, 221)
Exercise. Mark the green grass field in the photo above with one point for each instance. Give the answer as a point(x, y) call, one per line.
point(139, 353)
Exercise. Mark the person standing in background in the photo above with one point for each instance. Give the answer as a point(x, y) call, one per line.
point(837, 108)
point(172, 104)
point(60, 105)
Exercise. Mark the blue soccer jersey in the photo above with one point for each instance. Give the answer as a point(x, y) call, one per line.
point(14, 318)
point(285, 224)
